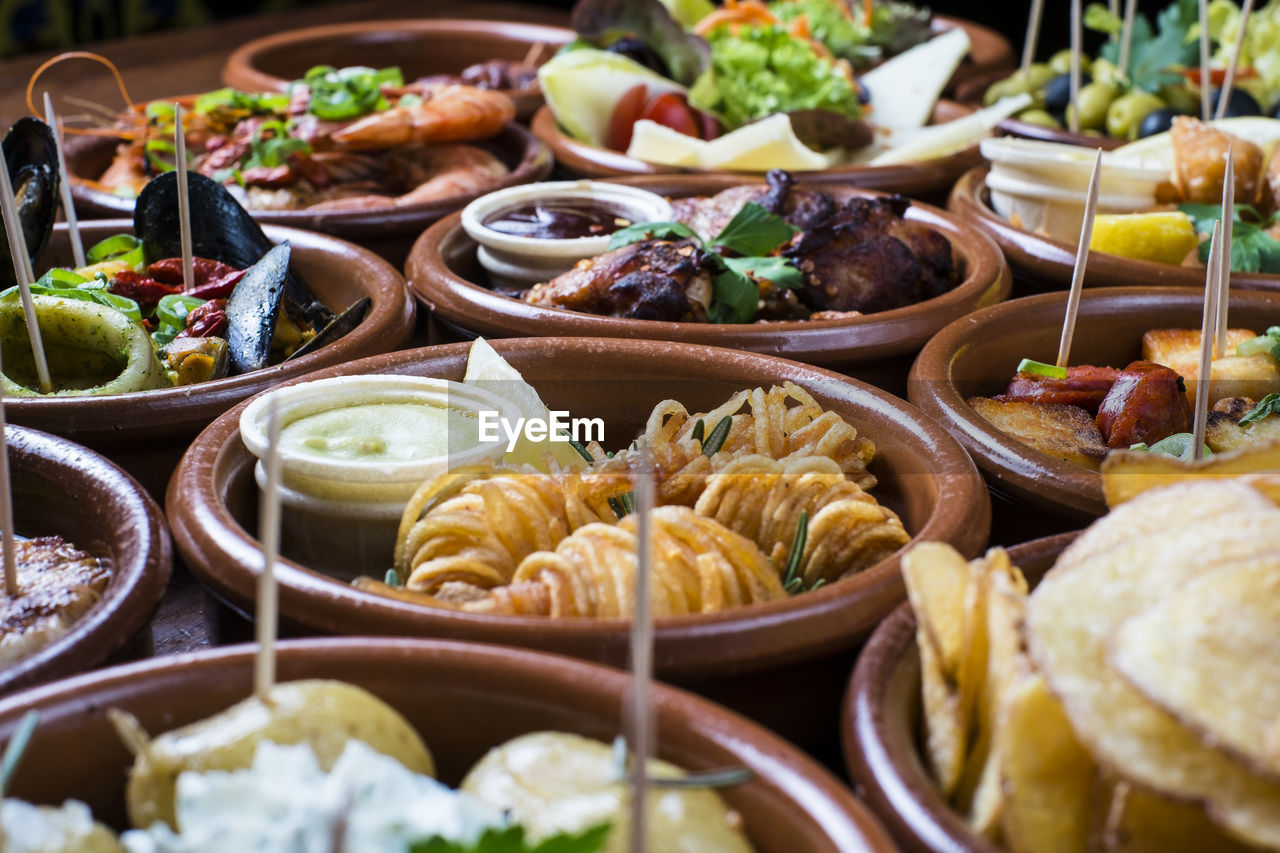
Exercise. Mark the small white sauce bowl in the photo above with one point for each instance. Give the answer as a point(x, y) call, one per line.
point(517, 261)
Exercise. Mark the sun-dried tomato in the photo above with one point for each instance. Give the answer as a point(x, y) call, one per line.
point(212, 279)
point(207, 321)
point(142, 289)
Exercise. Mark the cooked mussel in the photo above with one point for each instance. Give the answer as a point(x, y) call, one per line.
point(253, 308)
point(32, 157)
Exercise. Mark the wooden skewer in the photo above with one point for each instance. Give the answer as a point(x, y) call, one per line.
point(184, 207)
point(1082, 259)
point(1126, 35)
point(6, 511)
point(22, 272)
point(1077, 36)
point(641, 711)
point(1113, 6)
point(1229, 81)
point(1207, 325)
point(64, 184)
point(1224, 252)
point(264, 671)
point(1205, 81)
point(1033, 35)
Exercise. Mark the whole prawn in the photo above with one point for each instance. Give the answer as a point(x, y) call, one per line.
point(450, 114)
point(442, 171)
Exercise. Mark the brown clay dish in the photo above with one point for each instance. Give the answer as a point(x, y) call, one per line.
point(528, 159)
point(443, 273)
point(464, 699)
point(757, 659)
point(418, 47)
point(1047, 264)
point(978, 355)
point(63, 489)
point(882, 718)
point(147, 432)
point(582, 159)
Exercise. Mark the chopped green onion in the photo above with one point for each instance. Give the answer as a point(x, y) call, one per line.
point(171, 316)
point(121, 247)
point(1179, 445)
point(1039, 368)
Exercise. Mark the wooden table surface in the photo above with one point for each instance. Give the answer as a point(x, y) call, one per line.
point(188, 61)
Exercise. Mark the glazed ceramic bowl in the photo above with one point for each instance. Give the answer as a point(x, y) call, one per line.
point(797, 646)
point(1046, 264)
point(464, 699)
point(446, 278)
point(978, 355)
point(62, 489)
point(582, 159)
point(146, 432)
point(419, 47)
point(882, 720)
point(386, 230)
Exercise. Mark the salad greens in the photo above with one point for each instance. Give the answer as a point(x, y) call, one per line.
point(512, 839)
point(339, 94)
point(1252, 248)
point(758, 71)
point(600, 23)
point(1260, 39)
point(831, 24)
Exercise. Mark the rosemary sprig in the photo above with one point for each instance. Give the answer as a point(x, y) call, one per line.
point(392, 578)
point(721, 777)
point(792, 581)
point(699, 429)
point(582, 451)
point(716, 439)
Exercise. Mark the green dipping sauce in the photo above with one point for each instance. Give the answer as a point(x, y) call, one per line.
point(382, 432)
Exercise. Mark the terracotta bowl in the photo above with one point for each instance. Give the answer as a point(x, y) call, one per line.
point(63, 489)
point(447, 279)
point(978, 355)
point(1046, 264)
point(146, 433)
point(882, 721)
point(418, 47)
point(796, 646)
point(463, 698)
point(387, 231)
point(585, 160)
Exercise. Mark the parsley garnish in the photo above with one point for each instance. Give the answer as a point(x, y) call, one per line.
point(512, 839)
point(1151, 56)
point(754, 231)
point(1267, 406)
point(650, 231)
point(1252, 248)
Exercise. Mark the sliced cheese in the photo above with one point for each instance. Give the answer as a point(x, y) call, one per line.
point(927, 143)
point(657, 143)
point(770, 143)
point(905, 89)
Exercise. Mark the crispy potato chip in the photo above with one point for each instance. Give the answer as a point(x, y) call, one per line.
point(937, 579)
point(1073, 613)
point(1209, 653)
point(1128, 473)
point(1046, 776)
point(1141, 821)
point(944, 724)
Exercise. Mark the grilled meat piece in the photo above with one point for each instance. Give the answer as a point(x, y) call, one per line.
point(57, 583)
point(1085, 386)
point(1148, 402)
point(801, 208)
point(649, 280)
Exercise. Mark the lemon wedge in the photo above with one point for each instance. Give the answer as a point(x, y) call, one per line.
point(657, 143)
point(770, 143)
point(1165, 237)
point(488, 370)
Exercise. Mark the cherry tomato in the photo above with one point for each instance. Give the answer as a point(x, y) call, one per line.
point(625, 113)
point(1218, 76)
point(672, 110)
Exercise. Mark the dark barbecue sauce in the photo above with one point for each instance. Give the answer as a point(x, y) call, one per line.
point(559, 219)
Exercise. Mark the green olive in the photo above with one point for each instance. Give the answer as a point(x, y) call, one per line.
point(1039, 74)
point(1061, 62)
point(1181, 97)
point(1015, 84)
point(1092, 105)
point(1105, 71)
point(1038, 117)
point(1256, 86)
point(1126, 113)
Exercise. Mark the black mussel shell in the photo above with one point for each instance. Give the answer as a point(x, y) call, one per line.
point(252, 310)
point(32, 156)
point(221, 229)
point(343, 323)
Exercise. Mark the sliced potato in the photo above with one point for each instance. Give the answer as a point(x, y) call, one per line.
point(1046, 776)
point(1126, 473)
point(1063, 432)
point(1070, 619)
point(944, 722)
point(937, 579)
point(1141, 821)
point(1209, 653)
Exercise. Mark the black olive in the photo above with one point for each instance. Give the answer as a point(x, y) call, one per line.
point(1157, 121)
point(1241, 103)
point(633, 48)
point(1057, 92)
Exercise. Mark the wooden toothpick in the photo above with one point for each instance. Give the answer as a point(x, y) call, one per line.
point(1207, 325)
point(1077, 37)
point(1082, 259)
point(264, 672)
point(1205, 78)
point(64, 184)
point(1229, 81)
point(1033, 35)
point(22, 272)
point(7, 543)
point(1126, 35)
point(184, 208)
point(1224, 252)
point(641, 711)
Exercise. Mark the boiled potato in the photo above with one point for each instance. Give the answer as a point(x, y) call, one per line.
point(70, 828)
point(323, 714)
point(551, 782)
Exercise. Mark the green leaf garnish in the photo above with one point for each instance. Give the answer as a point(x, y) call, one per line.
point(1180, 445)
point(346, 93)
point(699, 429)
point(650, 231)
point(754, 231)
point(1268, 344)
point(1252, 248)
point(1039, 368)
point(778, 271)
point(1150, 55)
point(1267, 406)
point(735, 297)
point(512, 839)
point(716, 439)
point(792, 582)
